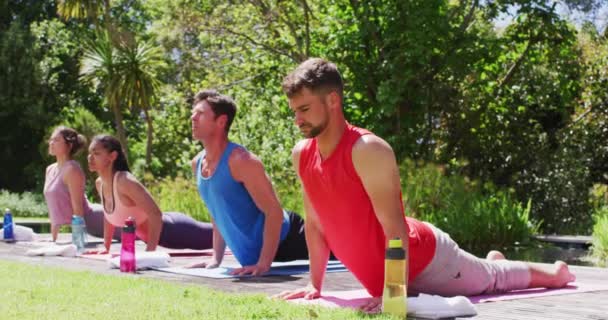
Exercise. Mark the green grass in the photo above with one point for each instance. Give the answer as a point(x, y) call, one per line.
point(33, 292)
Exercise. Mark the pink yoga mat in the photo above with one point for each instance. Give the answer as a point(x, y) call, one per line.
point(335, 299)
point(356, 298)
point(575, 287)
point(172, 253)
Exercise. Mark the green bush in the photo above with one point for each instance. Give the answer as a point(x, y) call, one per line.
point(179, 194)
point(599, 249)
point(26, 204)
point(478, 217)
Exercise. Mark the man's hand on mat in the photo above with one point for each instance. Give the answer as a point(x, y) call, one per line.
point(309, 292)
point(254, 270)
point(373, 305)
point(208, 264)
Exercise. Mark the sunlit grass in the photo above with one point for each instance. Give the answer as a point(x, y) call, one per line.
point(34, 292)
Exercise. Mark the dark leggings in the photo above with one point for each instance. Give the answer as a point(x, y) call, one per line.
point(293, 247)
point(179, 231)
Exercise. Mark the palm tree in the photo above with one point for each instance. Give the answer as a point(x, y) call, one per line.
point(83, 9)
point(139, 66)
point(100, 66)
point(115, 62)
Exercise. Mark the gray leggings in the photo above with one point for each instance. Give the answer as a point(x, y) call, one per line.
point(453, 271)
point(179, 231)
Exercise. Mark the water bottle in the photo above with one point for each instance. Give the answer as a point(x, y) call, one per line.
point(78, 233)
point(394, 297)
point(8, 226)
point(127, 250)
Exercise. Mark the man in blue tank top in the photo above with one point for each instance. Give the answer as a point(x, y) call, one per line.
point(246, 213)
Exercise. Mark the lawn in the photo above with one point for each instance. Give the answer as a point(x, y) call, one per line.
point(33, 292)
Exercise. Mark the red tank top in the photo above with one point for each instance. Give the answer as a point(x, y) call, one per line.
point(345, 211)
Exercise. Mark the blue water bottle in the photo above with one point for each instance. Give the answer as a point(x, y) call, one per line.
point(78, 233)
point(8, 226)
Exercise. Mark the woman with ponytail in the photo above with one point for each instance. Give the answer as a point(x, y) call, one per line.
point(64, 182)
point(123, 196)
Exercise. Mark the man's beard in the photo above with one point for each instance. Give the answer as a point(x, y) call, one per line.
point(313, 132)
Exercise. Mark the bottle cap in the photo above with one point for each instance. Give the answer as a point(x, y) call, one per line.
point(395, 243)
point(129, 225)
point(395, 250)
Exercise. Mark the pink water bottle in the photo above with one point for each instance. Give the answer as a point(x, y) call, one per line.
point(127, 250)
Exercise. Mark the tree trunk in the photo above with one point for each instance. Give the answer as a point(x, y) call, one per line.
point(120, 129)
point(149, 137)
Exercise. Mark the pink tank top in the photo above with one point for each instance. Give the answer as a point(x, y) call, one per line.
point(122, 212)
point(57, 195)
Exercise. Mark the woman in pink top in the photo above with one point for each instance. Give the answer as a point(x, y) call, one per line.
point(123, 196)
point(64, 180)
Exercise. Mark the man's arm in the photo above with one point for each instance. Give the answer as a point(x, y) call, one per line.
point(219, 248)
point(375, 163)
point(318, 250)
point(218, 243)
point(249, 170)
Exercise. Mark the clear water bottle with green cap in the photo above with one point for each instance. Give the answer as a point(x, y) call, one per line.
point(394, 297)
point(79, 233)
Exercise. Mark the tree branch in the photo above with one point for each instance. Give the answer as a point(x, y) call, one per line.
point(253, 41)
point(514, 66)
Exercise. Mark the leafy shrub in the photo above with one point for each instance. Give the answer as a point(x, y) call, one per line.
point(179, 194)
point(477, 217)
point(599, 249)
point(26, 204)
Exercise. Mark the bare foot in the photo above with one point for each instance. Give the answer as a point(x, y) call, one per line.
point(495, 255)
point(562, 274)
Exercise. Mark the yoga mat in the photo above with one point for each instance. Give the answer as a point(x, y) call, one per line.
point(356, 298)
point(423, 306)
point(338, 299)
point(277, 269)
point(575, 287)
point(172, 252)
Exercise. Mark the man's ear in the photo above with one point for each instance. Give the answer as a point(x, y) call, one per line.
point(333, 99)
point(222, 120)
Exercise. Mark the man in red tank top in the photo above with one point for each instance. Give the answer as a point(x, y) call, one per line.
point(353, 205)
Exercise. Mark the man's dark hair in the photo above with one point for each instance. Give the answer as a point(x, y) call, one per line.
point(220, 104)
point(317, 75)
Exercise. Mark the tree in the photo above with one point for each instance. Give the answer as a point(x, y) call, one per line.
point(138, 68)
point(100, 66)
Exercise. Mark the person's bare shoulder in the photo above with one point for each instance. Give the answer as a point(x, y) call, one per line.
point(297, 149)
point(371, 143)
point(98, 184)
point(244, 163)
point(194, 161)
point(295, 154)
point(73, 168)
point(371, 149)
point(242, 156)
point(125, 179)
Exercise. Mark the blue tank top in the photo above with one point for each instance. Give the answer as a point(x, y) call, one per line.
point(238, 219)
